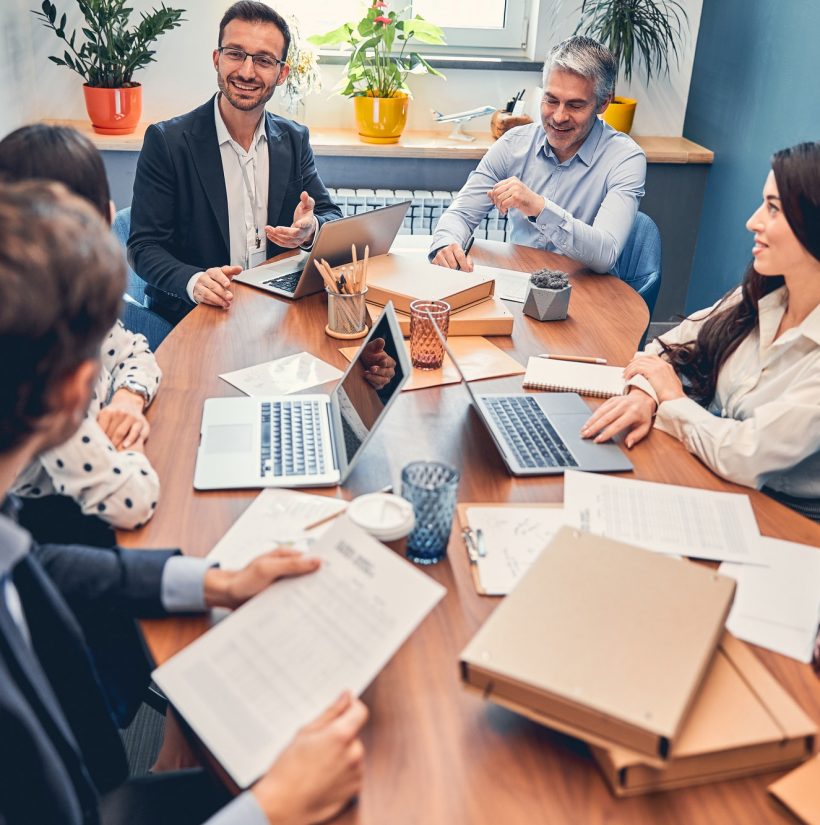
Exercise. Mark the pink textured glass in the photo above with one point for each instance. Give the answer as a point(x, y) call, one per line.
point(426, 351)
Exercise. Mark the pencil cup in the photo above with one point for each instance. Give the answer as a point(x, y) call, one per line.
point(431, 488)
point(346, 314)
point(426, 350)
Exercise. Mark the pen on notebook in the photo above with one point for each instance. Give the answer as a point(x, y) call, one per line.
point(467, 247)
point(580, 359)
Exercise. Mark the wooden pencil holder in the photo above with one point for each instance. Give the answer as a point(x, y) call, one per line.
point(501, 121)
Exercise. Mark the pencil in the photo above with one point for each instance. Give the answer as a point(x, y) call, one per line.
point(324, 520)
point(355, 277)
point(578, 359)
point(364, 266)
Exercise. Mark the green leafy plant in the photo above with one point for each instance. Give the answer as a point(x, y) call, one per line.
point(112, 51)
point(371, 69)
point(549, 279)
point(653, 29)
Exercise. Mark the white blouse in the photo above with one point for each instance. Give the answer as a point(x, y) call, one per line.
point(763, 425)
point(121, 488)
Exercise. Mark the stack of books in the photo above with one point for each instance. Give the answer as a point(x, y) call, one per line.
point(626, 649)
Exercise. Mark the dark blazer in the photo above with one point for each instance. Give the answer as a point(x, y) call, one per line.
point(60, 749)
point(179, 214)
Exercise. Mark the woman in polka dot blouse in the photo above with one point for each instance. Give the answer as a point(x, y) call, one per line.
point(103, 467)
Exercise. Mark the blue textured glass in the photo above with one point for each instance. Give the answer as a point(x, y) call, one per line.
point(431, 488)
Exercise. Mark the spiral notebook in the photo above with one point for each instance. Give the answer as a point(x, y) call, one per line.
point(571, 376)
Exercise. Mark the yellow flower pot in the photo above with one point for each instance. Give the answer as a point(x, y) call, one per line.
point(620, 113)
point(381, 119)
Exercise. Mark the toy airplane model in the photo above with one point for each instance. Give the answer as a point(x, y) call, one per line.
point(460, 117)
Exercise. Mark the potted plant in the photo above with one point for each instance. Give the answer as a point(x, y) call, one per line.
point(111, 53)
point(548, 295)
point(375, 78)
point(651, 29)
point(304, 77)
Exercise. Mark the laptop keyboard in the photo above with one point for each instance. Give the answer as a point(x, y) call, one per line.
point(291, 438)
point(287, 283)
point(528, 432)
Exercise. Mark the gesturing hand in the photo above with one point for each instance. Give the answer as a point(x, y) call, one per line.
point(213, 286)
point(300, 232)
point(511, 193)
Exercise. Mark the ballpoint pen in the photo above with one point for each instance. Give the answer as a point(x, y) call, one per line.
point(579, 359)
point(467, 247)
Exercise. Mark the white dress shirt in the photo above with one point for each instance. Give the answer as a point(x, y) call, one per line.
point(763, 425)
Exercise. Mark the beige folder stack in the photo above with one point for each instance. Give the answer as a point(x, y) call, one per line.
point(626, 649)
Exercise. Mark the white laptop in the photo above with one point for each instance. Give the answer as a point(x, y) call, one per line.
point(540, 433)
point(303, 440)
point(297, 276)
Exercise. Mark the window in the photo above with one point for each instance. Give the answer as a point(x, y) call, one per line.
point(470, 26)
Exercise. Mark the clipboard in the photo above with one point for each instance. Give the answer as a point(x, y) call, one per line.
point(461, 514)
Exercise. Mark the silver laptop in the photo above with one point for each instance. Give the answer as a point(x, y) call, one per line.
point(303, 440)
point(540, 433)
point(297, 276)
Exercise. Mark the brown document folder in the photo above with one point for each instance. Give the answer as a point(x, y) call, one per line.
point(404, 277)
point(608, 641)
point(742, 722)
point(799, 791)
point(490, 317)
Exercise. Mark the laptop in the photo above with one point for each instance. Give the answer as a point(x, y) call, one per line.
point(297, 276)
point(539, 433)
point(303, 440)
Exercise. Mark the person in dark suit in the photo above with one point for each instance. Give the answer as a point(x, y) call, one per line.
point(61, 760)
point(227, 185)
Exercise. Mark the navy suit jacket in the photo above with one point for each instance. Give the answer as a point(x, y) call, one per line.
point(179, 214)
point(60, 748)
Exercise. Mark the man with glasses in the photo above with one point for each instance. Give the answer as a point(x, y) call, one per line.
point(570, 184)
point(228, 185)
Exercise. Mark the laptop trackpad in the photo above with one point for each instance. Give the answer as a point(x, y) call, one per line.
point(229, 438)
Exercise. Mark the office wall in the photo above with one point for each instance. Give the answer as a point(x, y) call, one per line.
point(17, 99)
point(755, 89)
point(183, 75)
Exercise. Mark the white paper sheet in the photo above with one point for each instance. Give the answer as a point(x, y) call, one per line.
point(778, 606)
point(250, 683)
point(514, 537)
point(702, 524)
point(274, 518)
point(283, 376)
point(509, 283)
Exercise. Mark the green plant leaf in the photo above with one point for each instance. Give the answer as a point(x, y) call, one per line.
point(340, 35)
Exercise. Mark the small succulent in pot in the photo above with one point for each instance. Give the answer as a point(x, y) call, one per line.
point(548, 295)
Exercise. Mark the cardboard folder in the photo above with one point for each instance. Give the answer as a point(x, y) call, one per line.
point(489, 317)
point(403, 278)
point(799, 791)
point(608, 642)
point(743, 722)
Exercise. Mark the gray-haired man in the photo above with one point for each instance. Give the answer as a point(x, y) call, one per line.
point(571, 184)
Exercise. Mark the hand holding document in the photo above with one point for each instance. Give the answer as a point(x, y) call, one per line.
point(249, 684)
point(283, 376)
point(274, 518)
point(666, 518)
point(778, 606)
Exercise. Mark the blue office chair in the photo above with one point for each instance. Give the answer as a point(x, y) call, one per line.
point(134, 285)
point(640, 262)
point(140, 319)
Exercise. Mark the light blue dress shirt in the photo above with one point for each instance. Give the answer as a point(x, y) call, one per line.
point(591, 199)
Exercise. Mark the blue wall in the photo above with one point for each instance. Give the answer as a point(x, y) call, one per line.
point(755, 89)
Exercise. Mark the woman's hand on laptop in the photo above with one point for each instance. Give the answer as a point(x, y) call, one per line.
point(214, 286)
point(632, 413)
point(301, 231)
point(232, 588)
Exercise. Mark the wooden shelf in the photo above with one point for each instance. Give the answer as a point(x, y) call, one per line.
point(433, 145)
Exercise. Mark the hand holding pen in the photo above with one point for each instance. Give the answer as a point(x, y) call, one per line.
point(466, 250)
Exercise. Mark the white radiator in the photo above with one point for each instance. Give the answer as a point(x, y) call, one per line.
point(424, 212)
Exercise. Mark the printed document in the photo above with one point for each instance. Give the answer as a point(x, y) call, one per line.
point(702, 524)
point(283, 376)
point(778, 606)
point(275, 518)
point(249, 684)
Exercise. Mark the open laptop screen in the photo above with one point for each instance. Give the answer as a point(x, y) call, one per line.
point(374, 377)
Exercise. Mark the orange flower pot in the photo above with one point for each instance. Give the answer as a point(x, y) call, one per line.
point(381, 119)
point(114, 111)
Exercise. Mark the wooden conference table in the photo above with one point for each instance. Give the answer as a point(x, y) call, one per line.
point(436, 754)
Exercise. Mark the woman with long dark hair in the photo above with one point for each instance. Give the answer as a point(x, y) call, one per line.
point(739, 383)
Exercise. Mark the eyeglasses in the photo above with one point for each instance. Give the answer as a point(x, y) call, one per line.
point(262, 61)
